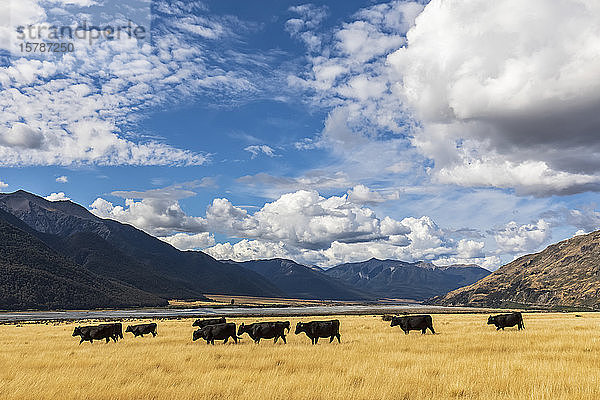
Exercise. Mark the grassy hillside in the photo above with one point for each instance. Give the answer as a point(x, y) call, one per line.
point(556, 357)
point(565, 274)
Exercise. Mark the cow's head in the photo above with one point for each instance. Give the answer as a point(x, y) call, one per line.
point(402, 322)
point(299, 328)
point(77, 331)
point(491, 320)
point(129, 329)
point(198, 333)
point(242, 329)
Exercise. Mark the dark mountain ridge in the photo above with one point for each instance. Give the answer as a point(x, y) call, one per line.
point(34, 276)
point(123, 253)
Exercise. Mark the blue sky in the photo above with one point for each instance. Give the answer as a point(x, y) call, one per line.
point(325, 132)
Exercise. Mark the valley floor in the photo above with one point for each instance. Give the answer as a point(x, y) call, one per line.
point(556, 357)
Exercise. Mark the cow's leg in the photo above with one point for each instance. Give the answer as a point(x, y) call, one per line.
point(423, 331)
point(226, 339)
point(235, 338)
point(497, 328)
point(406, 332)
point(107, 340)
point(337, 335)
point(81, 341)
point(431, 329)
point(283, 337)
point(331, 338)
point(316, 339)
point(154, 333)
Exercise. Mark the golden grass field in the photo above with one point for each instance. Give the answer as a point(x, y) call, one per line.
point(556, 357)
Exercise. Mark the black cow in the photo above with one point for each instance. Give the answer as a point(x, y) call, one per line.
point(505, 320)
point(91, 333)
point(320, 329)
point(284, 324)
point(413, 323)
point(201, 323)
point(210, 333)
point(117, 329)
point(142, 329)
point(265, 330)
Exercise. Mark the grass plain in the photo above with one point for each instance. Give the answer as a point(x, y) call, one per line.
point(556, 357)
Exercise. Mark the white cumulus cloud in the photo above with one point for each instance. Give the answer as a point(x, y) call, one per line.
point(158, 212)
point(486, 99)
point(303, 225)
point(60, 196)
point(514, 238)
point(190, 241)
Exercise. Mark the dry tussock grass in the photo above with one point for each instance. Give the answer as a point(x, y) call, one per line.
point(556, 357)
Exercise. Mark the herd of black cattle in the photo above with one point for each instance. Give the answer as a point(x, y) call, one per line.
point(219, 329)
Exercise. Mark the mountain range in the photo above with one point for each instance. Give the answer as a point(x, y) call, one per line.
point(116, 252)
point(59, 255)
point(404, 280)
point(302, 282)
point(565, 274)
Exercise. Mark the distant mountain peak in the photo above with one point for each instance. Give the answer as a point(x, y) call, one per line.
point(407, 280)
point(22, 201)
point(305, 282)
